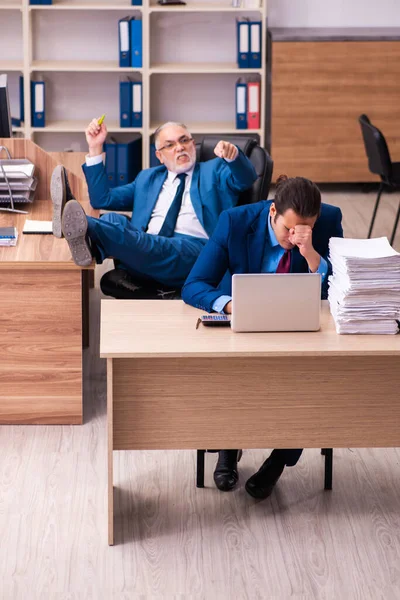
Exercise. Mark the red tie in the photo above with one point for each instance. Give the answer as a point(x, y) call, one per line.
point(284, 263)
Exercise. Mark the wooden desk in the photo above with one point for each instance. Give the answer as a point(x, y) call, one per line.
point(43, 296)
point(170, 386)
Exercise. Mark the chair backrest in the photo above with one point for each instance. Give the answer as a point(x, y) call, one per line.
point(259, 157)
point(379, 161)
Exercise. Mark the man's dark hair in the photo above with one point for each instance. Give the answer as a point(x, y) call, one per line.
point(299, 194)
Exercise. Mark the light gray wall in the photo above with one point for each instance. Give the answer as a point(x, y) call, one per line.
point(333, 13)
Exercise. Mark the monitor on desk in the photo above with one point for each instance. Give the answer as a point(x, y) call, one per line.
point(5, 115)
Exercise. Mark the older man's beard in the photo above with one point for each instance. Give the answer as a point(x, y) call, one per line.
point(185, 166)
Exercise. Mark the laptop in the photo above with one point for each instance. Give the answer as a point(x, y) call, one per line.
point(276, 302)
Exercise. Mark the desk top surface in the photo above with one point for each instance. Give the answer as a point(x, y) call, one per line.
point(36, 250)
point(167, 329)
point(33, 250)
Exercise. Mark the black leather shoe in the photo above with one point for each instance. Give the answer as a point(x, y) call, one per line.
point(226, 475)
point(261, 484)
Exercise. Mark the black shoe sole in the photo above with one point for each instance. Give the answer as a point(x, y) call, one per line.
point(58, 193)
point(74, 228)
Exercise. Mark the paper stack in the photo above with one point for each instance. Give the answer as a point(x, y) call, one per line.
point(364, 289)
point(18, 176)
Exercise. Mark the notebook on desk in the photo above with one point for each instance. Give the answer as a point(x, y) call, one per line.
point(38, 226)
point(276, 302)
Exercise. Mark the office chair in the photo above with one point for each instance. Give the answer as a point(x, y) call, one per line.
point(379, 162)
point(119, 284)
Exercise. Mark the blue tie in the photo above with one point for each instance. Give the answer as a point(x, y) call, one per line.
point(168, 227)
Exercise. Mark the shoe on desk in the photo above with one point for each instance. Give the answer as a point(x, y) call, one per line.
point(74, 228)
point(60, 193)
point(261, 484)
point(226, 474)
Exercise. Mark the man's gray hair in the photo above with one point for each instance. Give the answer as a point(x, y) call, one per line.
point(168, 124)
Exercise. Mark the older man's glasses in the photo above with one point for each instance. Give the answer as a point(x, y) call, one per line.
point(183, 141)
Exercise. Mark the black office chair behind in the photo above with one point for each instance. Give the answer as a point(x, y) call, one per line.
point(380, 163)
point(119, 284)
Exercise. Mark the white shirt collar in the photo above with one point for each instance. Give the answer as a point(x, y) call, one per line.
point(172, 176)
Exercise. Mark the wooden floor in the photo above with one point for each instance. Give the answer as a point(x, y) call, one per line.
point(175, 541)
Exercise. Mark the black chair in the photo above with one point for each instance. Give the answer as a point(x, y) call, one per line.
point(379, 162)
point(119, 284)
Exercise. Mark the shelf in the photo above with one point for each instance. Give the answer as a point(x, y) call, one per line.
point(17, 129)
point(65, 5)
point(11, 65)
point(200, 68)
point(80, 126)
point(8, 6)
point(201, 7)
point(223, 128)
point(77, 65)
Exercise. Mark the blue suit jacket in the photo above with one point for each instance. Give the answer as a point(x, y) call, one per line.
point(237, 246)
point(216, 185)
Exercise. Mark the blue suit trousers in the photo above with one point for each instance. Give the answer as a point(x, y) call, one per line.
point(167, 260)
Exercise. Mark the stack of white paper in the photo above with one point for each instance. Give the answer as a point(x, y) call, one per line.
point(17, 175)
point(364, 289)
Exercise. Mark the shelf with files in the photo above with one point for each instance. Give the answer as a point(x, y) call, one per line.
point(83, 66)
point(64, 111)
point(97, 46)
point(68, 5)
point(189, 70)
point(216, 91)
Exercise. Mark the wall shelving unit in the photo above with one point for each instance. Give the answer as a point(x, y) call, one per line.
point(189, 65)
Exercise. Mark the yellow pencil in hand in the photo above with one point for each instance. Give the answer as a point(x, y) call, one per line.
point(99, 121)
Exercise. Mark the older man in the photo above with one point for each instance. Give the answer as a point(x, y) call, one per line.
point(175, 206)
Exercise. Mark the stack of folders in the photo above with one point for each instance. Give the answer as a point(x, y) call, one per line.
point(123, 161)
point(130, 42)
point(364, 290)
point(38, 107)
point(17, 175)
point(130, 104)
point(248, 43)
point(247, 104)
point(8, 236)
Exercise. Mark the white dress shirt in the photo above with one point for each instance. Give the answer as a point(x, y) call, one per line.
point(187, 222)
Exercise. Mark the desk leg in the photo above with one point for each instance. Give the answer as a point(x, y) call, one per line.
point(110, 445)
